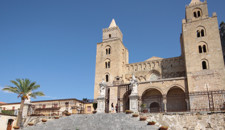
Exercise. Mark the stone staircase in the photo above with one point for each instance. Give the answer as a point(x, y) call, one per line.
point(118, 121)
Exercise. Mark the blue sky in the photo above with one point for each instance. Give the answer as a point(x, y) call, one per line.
point(53, 42)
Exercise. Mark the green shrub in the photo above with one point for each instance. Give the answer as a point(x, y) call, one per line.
point(8, 112)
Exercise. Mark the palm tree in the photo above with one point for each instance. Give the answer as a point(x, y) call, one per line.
point(24, 88)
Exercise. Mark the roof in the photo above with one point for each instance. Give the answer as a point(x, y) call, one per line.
point(113, 24)
point(2, 103)
point(45, 101)
point(154, 58)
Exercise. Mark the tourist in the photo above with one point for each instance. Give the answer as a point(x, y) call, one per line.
point(117, 108)
point(112, 107)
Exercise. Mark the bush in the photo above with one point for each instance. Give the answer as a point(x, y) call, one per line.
point(135, 115)
point(143, 118)
point(8, 112)
point(163, 128)
point(128, 111)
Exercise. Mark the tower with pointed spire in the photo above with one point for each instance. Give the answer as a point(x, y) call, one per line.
point(111, 58)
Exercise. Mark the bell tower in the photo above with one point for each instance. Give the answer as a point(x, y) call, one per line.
point(201, 47)
point(111, 57)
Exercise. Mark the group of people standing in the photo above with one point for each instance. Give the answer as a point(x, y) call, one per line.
point(112, 108)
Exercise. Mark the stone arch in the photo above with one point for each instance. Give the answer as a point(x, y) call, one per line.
point(151, 87)
point(9, 124)
point(126, 100)
point(176, 99)
point(151, 97)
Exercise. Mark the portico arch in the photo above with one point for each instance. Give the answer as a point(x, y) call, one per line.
point(152, 98)
point(176, 100)
point(126, 100)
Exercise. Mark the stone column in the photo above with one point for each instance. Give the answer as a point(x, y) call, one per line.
point(134, 103)
point(165, 103)
point(187, 102)
point(101, 105)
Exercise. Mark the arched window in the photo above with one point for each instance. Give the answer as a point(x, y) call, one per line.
point(197, 13)
point(200, 49)
point(107, 63)
point(107, 78)
point(198, 33)
point(108, 50)
point(201, 31)
point(204, 48)
point(204, 65)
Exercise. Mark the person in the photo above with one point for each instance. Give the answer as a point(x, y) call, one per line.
point(112, 107)
point(117, 108)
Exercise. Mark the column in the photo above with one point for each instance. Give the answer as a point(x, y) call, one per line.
point(134, 103)
point(101, 105)
point(165, 103)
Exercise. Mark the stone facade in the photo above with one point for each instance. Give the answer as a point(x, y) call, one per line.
point(194, 81)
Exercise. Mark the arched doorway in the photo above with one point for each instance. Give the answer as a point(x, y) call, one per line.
point(154, 107)
point(152, 100)
point(176, 100)
point(9, 124)
point(126, 101)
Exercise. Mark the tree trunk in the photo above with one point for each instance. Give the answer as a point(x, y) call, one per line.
point(20, 114)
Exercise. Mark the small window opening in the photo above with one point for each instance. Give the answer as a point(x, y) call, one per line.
point(199, 14)
point(108, 64)
point(204, 48)
point(204, 66)
point(109, 35)
point(198, 33)
point(117, 78)
point(195, 14)
point(107, 78)
point(106, 51)
point(200, 49)
point(109, 50)
point(202, 33)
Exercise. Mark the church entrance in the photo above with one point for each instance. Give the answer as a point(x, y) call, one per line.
point(152, 101)
point(176, 100)
point(9, 124)
point(154, 107)
point(126, 101)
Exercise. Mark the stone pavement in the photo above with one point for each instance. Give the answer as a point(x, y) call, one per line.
point(119, 121)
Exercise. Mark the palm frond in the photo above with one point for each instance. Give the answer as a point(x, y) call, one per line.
point(35, 94)
point(11, 89)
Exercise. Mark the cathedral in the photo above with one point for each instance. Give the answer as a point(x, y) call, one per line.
point(194, 81)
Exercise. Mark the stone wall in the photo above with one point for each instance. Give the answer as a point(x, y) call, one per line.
point(190, 121)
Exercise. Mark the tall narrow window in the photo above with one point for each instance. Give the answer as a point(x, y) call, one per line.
point(204, 65)
point(198, 33)
point(106, 65)
point(109, 35)
point(107, 78)
point(200, 49)
point(202, 33)
point(199, 14)
point(109, 64)
point(204, 48)
point(195, 14)
point(106, 51)
point(109, 50)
